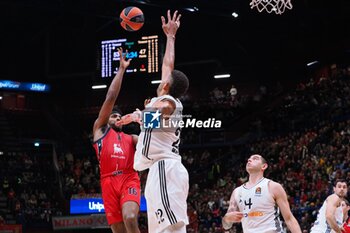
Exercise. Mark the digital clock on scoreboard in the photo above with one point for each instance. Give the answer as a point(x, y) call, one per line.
point(144, 53)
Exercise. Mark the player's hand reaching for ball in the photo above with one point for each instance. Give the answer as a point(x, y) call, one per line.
point(124, 63)
point(170, 28)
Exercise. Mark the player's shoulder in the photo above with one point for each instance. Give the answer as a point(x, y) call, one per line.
point(100, 133)
point(275, 187)
point(169, 98)
point(272, 182)
point(334, 198)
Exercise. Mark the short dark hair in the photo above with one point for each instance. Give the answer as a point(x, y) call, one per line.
point(339, 181)
point(263, 159)
point(116, 109)
point(179, 84)
point(346, 201)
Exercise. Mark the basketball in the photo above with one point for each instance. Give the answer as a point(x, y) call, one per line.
point(131, 18)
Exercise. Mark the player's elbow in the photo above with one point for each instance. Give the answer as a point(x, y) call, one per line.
point(168, 63)
point(111, 96)
point(290, 220)
point(137, 167)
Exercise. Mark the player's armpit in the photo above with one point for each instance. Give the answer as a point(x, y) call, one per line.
point(166, 107)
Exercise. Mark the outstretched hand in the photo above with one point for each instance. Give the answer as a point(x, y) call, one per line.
point(124, 63)
point(170, 28)
point(147, 101)
point(132, 117)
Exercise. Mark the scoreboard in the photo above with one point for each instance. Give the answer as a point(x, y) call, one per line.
point(144, 53)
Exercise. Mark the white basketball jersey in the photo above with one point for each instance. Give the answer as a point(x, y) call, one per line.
point(321, 225)
point(260, 211)
point(160, 143)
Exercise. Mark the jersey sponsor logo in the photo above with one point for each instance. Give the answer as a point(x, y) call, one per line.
point(151, 119)
point(117, 149)
point(253, 214)
point(96, 206)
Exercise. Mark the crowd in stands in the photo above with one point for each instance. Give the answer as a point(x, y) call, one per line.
point(305, 139)
point(304, 159)
point(28, 189)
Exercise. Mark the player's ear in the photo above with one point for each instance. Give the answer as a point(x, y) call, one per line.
point(264, 166)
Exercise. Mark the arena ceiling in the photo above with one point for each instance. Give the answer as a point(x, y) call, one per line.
point(43, 40)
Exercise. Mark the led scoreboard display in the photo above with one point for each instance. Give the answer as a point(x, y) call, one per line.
point(144, 53)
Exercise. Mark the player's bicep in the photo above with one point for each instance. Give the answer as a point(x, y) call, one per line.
point(165, 106)
point(281, 200)
point(166, 71)
point(332, 203)
point(103, 115)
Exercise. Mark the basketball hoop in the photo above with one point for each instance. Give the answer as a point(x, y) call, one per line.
point(276, 6)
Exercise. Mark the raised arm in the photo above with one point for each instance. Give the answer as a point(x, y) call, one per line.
point(233, 214)
point(169, 29)
point(281, 199)
point(333, 202)
point(111, 97)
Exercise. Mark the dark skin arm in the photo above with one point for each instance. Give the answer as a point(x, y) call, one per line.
point(111, 97)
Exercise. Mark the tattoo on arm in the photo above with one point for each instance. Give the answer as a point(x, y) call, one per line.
point(233, 204)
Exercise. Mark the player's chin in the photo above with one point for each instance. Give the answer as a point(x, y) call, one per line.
point(116, 128)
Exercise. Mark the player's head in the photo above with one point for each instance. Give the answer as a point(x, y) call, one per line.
point(256, 163)
point(175, 85)
point(345, 205)
point(340, 187)
point(115, 116)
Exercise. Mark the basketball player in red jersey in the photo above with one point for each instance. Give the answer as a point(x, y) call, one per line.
point(346, 224)
point(115, 151)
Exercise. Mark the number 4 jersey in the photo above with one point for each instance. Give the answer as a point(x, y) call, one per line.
point(160, 135)
point(260, 212)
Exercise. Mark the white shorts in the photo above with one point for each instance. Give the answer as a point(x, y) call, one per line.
point(166, 194)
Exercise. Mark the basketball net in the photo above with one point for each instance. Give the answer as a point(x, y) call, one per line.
point(276, 6)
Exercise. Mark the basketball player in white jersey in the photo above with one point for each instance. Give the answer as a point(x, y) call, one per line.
point(256, 203)
point(158, 148)
point(330, 216)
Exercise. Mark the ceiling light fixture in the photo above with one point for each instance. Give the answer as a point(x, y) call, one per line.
point(219, 76)
point(99, 86)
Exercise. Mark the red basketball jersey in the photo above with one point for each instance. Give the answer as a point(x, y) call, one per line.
point(115, 152)
point(346, 226)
